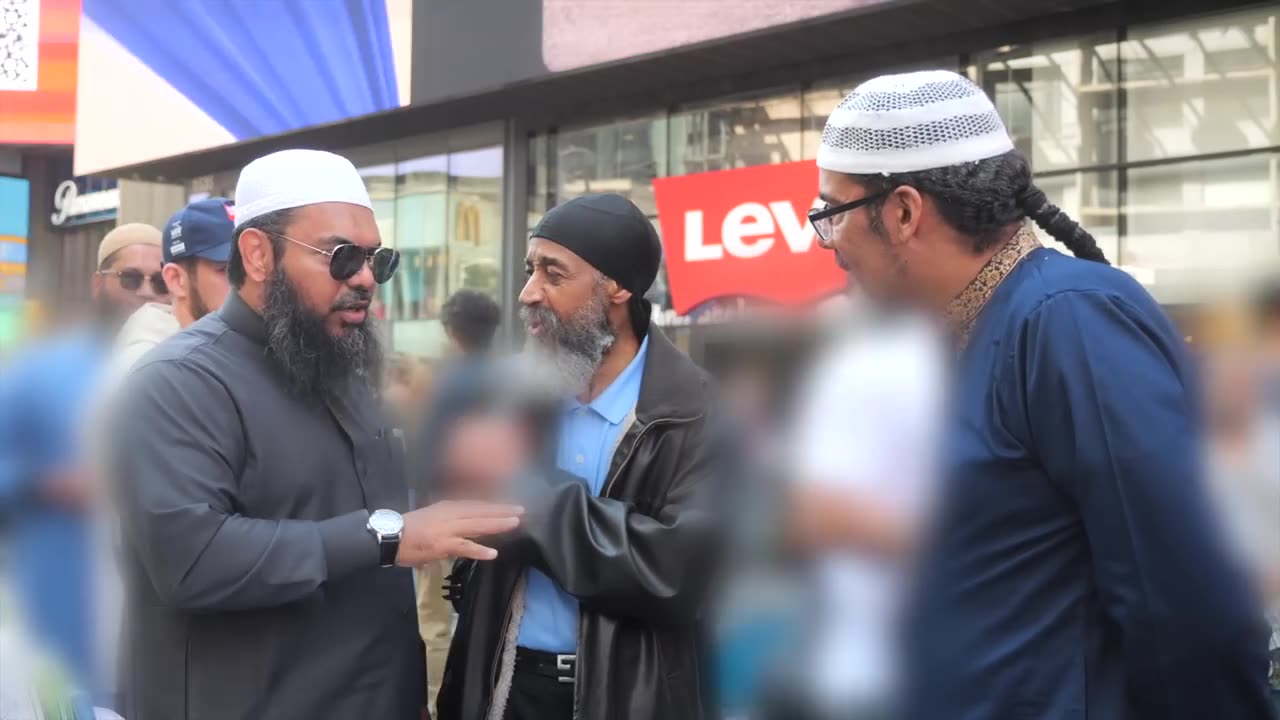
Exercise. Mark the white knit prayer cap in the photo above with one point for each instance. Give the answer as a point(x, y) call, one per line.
point(293, 178)
point(910, 122)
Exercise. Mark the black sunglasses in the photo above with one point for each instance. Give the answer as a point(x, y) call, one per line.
point(132, 280)
point(820, 218)
point(346, 259)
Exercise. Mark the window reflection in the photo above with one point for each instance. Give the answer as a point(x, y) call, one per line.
point(421, 204)
point(736, 134)
point(1202, 86)
point(475, 221)
point(621, 158)
point(1194, 224)
point(1058, 100)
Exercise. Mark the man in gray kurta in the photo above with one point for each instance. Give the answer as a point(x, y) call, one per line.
point(260, 492)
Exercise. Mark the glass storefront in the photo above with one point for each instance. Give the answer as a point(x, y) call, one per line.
point(1162, 139)
point(438, 200)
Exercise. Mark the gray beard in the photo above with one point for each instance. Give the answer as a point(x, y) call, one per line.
point(316, 363)
point(565, 358)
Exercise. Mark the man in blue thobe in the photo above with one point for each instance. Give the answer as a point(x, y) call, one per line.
point(45, 493)
point(1072, 568)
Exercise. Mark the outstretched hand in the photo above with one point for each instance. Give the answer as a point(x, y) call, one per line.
point(446, 529)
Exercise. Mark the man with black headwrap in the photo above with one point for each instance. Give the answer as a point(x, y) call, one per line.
point(595, 609)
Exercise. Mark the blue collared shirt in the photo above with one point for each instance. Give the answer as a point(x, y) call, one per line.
point(588, 435)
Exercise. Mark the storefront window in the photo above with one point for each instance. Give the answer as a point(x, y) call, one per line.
point(736, 134)
point(1058, 100)
point(475, 221)
point(1194, 224)
point(621, 158)
point(1202, 86)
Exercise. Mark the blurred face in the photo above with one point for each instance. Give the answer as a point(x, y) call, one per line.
point(129, 279)
point(1232, 384)
point(566, 307)
point(319, 329)
point(878, 258)
point(198, 287)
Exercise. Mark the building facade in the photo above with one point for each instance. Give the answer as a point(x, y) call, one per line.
point(1157, 125)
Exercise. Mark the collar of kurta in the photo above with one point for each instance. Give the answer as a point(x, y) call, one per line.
point(238, 316)
point(963, 311)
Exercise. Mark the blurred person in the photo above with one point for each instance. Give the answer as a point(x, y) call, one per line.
point(1073, 566)
point(470, 319)
point(864, 462)
point(595, 609)
point(45, 395)
point(259, 491)
point(1267, 310)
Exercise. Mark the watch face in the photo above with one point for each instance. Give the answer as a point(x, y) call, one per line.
point(386, 522)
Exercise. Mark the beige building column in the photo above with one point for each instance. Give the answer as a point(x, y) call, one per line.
point(149, 202)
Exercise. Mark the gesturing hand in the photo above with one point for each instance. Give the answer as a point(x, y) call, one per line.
point(445, 530)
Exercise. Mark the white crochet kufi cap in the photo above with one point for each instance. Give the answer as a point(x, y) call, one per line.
point(911, 122)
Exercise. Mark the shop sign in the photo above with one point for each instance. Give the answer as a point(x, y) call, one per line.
point(744, 233)
point(70, 207)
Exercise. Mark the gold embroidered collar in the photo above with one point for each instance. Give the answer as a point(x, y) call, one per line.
point(963, 311)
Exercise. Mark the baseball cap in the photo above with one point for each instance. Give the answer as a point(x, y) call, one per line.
point(202, 229)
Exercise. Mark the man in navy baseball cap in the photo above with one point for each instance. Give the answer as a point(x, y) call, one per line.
point(196, 245)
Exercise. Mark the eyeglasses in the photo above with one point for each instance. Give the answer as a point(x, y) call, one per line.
point(346, 259)
point(821, 217)
point(132, 280)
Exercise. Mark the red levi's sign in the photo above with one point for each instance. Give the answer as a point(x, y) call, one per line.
point(744, 233)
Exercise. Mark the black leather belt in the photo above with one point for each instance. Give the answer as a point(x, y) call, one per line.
point(547, 664)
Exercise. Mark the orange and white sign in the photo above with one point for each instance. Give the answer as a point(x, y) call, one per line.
point(744, 233)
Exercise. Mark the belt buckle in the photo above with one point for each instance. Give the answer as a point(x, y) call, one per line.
point(567, 664)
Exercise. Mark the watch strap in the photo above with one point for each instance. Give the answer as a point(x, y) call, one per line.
point(388, 548)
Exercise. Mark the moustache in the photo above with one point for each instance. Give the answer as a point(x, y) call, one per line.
point(354, 300)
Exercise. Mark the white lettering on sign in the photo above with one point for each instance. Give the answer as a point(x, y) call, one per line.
point(68, 203)
point(694, 250)
point(749, 231)
point(746, 221)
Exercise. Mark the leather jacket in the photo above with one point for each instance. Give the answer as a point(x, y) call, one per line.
point(638, 558)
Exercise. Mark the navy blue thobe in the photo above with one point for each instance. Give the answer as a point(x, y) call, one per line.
point(1073, 570)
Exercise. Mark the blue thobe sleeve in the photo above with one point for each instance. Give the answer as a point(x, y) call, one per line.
point(1105, 394)
point(15, 463)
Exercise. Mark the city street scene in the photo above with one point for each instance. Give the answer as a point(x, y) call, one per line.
point(639, 360)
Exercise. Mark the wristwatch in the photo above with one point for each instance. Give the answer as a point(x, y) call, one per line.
point(386, 527)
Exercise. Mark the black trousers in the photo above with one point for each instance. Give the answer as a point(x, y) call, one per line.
point(538, 697)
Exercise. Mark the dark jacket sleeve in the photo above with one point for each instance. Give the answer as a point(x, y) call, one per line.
point(174, 467)
point(656, 566)
point(1113, 415)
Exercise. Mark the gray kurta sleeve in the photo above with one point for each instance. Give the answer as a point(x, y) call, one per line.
point(176, 448)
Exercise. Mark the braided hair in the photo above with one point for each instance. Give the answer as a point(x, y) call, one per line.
point(980, 199)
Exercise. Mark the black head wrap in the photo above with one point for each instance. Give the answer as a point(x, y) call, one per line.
point(614, 237)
